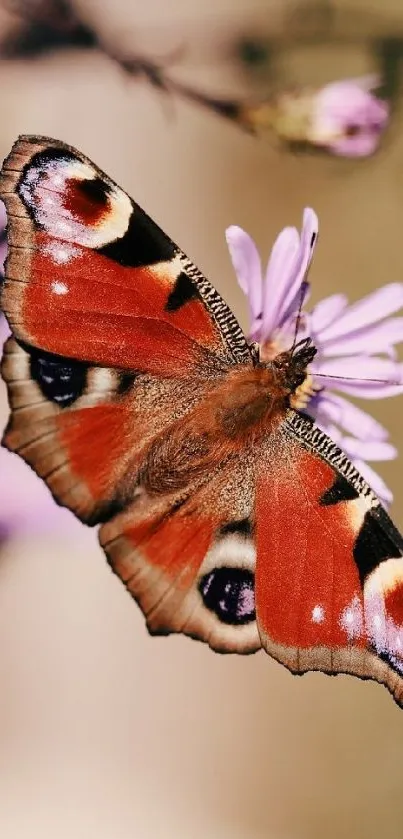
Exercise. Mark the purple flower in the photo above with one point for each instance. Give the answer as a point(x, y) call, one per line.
point(347, 118)
point(27, 506)
point(356, 343)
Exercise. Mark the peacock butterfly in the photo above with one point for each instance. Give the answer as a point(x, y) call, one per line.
point(229, 516)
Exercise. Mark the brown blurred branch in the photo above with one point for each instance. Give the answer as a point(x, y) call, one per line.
point(156, 74)
point(44, 25)
point(52, 24)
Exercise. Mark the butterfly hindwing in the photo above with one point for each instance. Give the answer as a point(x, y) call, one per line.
point(189, 558)
point(84, 428)
point(329, 589)
point(284, 546)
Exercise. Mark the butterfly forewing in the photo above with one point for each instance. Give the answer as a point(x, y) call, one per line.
point(118, 332)
point(98, 279)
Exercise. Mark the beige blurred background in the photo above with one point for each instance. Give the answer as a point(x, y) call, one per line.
point(106, 733)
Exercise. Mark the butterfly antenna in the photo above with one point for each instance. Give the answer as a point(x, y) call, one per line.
point(298, 320)
point(356, 379)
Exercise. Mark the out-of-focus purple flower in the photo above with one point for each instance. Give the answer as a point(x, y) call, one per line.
point(348, 118)
point(26, 505)
point(344, 118)
point(355, 343)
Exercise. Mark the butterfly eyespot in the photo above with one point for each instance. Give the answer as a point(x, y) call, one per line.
point(68, 199)
point(230, 594)
point(61, 380)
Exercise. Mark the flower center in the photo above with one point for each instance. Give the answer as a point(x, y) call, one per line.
point(271, 349)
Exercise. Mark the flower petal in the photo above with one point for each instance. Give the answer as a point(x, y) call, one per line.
point(371, 309)
point(295, 306)
point(279, 275)
point(370, 390)
point(348, 119)
point(363, 144)
point(332, 408)
point(378, 338)
point(288, 265)
point(357, 371)
point(247, 266)
point(326, 311)
point(340, 101)
point(4, 330)
point(368, 449)
point(309, 236)
point(375, 481)
point(26, 504)
point(255, 329)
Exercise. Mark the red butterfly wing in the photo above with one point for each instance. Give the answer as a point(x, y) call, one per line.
point(189, 558)
point(290, 525)
point(97, 279)
point(118, 333)
point(85, 429)
point(329, 572)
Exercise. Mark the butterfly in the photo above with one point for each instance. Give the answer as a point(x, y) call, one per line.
point(228, 515)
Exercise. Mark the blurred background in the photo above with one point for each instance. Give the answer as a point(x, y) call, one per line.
point(106, 733)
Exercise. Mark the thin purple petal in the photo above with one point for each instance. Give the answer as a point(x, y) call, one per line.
point(279, 276)
point(357, 371)
point(248, 268)
point(294, 298)
point(326, 311)
point(369, 449)
point(371, 309)
point(330, 407)
point(296, 303)
point(378, 338)
point(288, 265)
point(369, 390)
